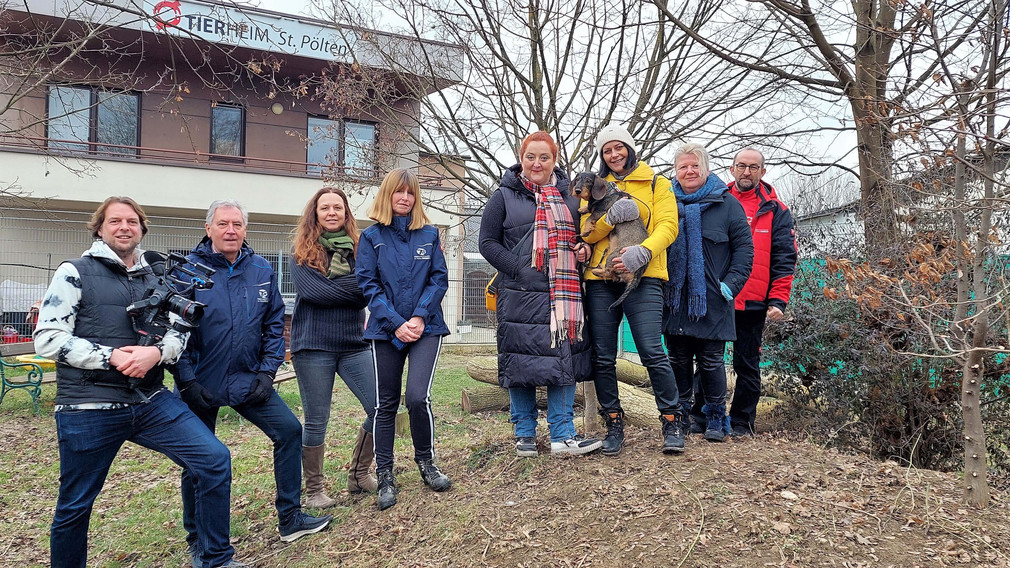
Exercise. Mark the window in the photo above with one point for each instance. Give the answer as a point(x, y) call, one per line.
point(348, 146)
point(86, 119)
point(227, 131)
point(359, 148)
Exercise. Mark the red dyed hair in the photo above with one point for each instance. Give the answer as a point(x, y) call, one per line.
point(538, 136)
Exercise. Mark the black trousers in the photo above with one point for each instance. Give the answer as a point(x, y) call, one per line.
point(711, 375)
point(389, 362)
point(750, 324)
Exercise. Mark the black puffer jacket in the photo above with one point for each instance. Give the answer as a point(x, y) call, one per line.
point(525, 355)
point(729, 251)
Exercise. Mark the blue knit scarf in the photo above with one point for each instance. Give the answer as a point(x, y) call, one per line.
point(686, 259)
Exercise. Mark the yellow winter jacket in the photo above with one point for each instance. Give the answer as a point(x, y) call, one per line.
point(658, 209)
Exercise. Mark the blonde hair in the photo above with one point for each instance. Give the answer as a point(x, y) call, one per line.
point(308, 251)
point(698, 151)
point(382, 209)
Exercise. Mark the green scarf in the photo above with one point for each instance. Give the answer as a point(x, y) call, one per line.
point(342, 248)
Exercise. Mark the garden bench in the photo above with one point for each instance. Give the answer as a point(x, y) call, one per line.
point(31, 381)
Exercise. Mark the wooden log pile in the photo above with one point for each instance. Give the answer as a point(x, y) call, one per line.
point(633, 381)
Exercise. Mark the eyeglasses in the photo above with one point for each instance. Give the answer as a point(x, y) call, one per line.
point(751, 167)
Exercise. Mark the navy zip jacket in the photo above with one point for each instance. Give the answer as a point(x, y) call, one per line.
point(241, 333)
point(403, 274)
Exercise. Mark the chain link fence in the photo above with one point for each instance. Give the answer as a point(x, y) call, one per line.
point(35, 240)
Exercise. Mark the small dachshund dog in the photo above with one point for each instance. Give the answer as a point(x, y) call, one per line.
point(600, 195)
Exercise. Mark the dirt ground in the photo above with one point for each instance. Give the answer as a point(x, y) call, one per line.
point(766, 501)
point(762, 502)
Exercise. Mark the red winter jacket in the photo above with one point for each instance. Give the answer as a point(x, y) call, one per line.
point(771, 225)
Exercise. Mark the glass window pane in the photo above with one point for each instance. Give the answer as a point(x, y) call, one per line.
point(117, 122)
point(69, 117)
point(322, 148)
point(359, 149)
point(226, 130)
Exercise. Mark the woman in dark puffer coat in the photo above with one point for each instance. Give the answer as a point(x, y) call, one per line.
point(528, 233)
point(708, 265)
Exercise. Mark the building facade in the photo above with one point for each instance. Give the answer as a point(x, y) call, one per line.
point(179, 103)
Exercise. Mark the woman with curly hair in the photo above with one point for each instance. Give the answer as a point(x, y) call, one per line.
point(326, 337)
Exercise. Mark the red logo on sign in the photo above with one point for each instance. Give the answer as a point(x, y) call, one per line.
point(162, 9)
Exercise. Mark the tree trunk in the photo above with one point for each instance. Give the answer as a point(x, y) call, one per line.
point(976, 488)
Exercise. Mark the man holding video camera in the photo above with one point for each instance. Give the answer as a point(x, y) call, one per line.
point(234, 355)
point(109, 388)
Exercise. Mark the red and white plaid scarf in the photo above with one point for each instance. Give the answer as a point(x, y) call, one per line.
point(554, 241)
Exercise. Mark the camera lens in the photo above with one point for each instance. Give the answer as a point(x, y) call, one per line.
point(189, 310)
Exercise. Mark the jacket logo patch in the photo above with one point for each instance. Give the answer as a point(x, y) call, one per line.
point(262, 296)
point(421, 253)
point(761, 231)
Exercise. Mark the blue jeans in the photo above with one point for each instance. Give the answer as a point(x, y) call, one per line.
point(644, 308)
point(316, 369)
point(277, 421)
point(560, 416)
point(90, 439)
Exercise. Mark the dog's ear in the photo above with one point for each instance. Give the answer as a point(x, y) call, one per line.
point(599, 190)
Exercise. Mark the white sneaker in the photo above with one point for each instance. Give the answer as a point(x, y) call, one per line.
point(575, 446)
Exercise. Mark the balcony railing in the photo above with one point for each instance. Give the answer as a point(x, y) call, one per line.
point(199, 160)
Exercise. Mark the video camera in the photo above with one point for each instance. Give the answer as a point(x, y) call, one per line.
point(168, 295)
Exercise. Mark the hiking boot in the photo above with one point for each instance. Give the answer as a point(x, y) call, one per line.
point(236, 564)
point(526, 446)
point(614, 440)
point(673, 434)
point(432, 476)
point(387, 490)
point(697, 426)
point(301, 524)
point(196, 555)
point(575, 446)
point(741, 432)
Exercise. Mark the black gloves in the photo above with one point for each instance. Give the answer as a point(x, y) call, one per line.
point(196, 396)
point(260, 389)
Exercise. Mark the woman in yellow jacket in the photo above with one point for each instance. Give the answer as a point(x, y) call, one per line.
point(654, 203)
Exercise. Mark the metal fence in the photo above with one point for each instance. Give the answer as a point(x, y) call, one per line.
point(35, 240)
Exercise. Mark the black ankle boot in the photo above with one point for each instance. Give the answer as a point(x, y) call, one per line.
point(614, 441)
point(673, 434)
point(387, 490)
point(432, 476)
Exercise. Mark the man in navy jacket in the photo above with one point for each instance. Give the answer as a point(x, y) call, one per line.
point(234, 354)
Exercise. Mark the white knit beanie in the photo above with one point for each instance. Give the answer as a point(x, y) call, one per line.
point(612, 132)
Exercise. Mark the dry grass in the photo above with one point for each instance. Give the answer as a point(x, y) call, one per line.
point(769, 501)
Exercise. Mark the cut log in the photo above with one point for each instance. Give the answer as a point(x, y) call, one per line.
point(482, 399)
point(639, 406)
point(632, 374)
point(485, 370)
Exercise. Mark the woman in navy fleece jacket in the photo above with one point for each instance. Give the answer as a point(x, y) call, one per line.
point(402, 272)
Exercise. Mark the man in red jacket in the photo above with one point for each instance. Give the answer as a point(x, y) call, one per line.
point(767, 290)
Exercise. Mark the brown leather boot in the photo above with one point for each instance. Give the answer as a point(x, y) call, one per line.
point(312, 471)
point(359, 477)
